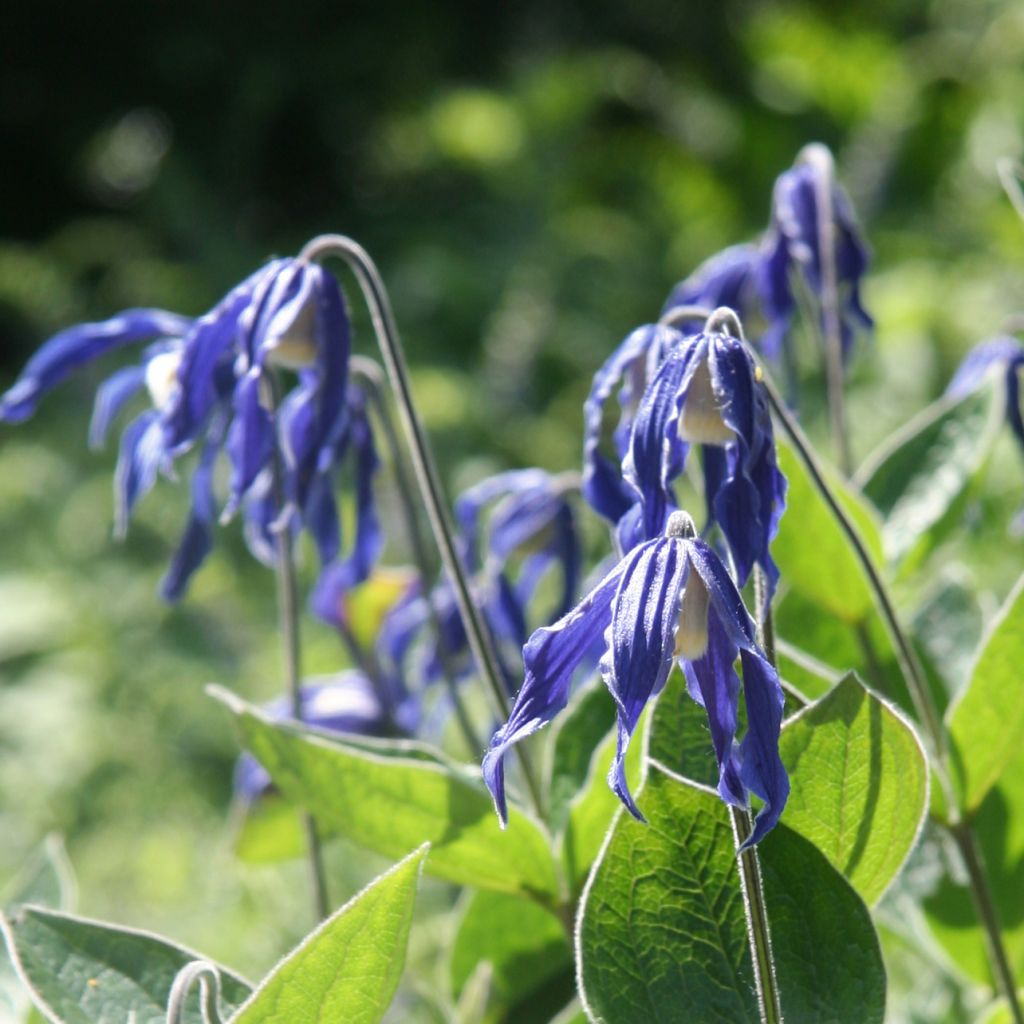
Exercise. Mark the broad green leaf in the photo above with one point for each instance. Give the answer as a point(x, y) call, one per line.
point(662, 931)
point(800, 669)
point(917, 475)
point(46, 880)
point(577, 733)
point(986, 723)
point(591, 813)
point(348, 969)
point(998, 826)
point(389, 804)
point(812, 552)
point(527, 948)
point(859, 784)
point(680, 738)
point(88, 972)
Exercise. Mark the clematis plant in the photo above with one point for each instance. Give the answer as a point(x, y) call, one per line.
point(668, 599)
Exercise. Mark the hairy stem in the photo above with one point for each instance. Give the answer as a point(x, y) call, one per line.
point(370, 377)
point(757, 919)
point(288, 619)
point(820, 157)
point(477, 631)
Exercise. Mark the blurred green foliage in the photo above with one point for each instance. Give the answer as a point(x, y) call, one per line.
point(532, 179)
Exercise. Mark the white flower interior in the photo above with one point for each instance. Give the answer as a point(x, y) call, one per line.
point(162, 377)
point(692, 633)
point(700, 421)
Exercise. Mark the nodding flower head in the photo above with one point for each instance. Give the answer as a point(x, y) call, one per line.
point(707, 393)
point(807, 199)
point(209, 385)
point(1005, 355)
point(669, 599)
point(726, 279)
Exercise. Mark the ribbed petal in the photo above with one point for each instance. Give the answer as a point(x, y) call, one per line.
point(197, 540)
point(78, 345)
point(111, 397)
point(761, 767)
point(250, 439)
point(550, 658)
point(640, 641)
point(726, 279)
point(138, 462)
point(713, 683)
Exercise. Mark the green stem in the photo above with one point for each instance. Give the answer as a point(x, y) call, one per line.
point(479, 635)
point(757, 919)
point(924, 704)
point(818, 155)
point(288, 616)
point(372, 381)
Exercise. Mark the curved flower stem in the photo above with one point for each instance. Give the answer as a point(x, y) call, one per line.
point(479, 635)
point(371, 378)
point(288, 616)
point(924, 704)
point(757, 919)
point(819, 156)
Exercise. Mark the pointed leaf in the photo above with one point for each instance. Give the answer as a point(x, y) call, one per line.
point(87, 972)
point(388, 804)
point(859, 784)
point(348, 969)
point(986, 723)
point(917, 475)
point(662, 932)
point(811, 539)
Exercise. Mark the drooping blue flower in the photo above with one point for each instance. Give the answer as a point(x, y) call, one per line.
point(668, 599)
point(803, 195)
point(210, 387)
point(629, 369)
point(726, 279)
point(707, 393)
point(343, 703)
point(1005, 354)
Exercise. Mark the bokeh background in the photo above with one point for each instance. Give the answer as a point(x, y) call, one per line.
point(532, 179)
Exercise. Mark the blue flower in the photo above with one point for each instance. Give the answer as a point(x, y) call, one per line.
point(210, 387)
point(707, 393)
point(726, 279)
point(344, 703)
point(668, 599)
point(1004, 353)
point(802, 196)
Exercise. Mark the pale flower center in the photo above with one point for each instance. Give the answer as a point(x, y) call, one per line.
point(162, 377)
point(700, 421)
point(692, 634)
point(295, 349)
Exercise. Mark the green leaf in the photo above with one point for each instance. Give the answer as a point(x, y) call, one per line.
point(269, 831)
point(859, 784)
point(348, 969)
point(389, 804)
point(998, 826)
point(812, 552)
point(577, 734)
point(986, 723)
point(917, 475)
point(680, 738)
point(87, 972)
point(591, 813)
point(46, 880)
point(527, 948)
point(662, 931)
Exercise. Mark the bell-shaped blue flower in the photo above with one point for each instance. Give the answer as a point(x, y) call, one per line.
point(1003, 354)
point(669, 599)
point(803, 196)
point(726, 279)
point(707, 393)
point(344, 703)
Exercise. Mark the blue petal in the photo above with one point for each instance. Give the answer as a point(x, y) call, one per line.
point(251, 438)
point(761, 767)
point(726, 279)
point(641, 638)
point(111, 397)
point(1002, 352)
point(550, 658)
point(713, 683)
point(78, 345)
point(138, 462)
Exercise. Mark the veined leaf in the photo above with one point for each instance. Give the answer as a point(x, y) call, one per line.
point(389, 804)
point(348, 969)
